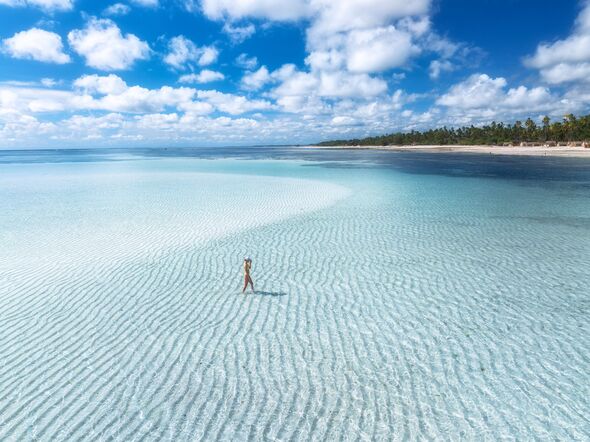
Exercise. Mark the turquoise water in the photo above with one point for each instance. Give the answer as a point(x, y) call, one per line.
point(399, 296)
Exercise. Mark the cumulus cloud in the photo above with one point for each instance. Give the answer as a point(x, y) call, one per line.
point(137, 99)
point(26, 99)
point(209, 55)
point(239, 34)
point(48, 5)
point(329, 84)
point(232, 104)
point(372, 112)
point(104, 47)
point(282, 10)
point(48, 82)
point(111, 93)
point(117, 9)
point(92, 84)
point(344, 88)
point(146, 3)
point(346, 15)
point(332, 16)
point(36, 44)
point(246, 62)
point(438, 66)
point(182, 52)
point(567, 72)
point(255, 80)
point(205, 76)
point(566, 60)
point(378, 49)
point(349, 44)
point(342, 84)
point(483, 96)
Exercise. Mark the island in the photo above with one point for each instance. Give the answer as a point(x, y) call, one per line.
point(569, 137)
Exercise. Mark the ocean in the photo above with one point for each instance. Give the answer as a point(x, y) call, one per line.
point(399, 296)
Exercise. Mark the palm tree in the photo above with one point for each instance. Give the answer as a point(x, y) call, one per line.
point(570, 125)
point(546, 121)
point(530, 127)
point(517, 129)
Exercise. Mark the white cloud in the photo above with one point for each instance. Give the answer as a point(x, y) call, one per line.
point(25, 99)
point(346, 40)
point(565, 60)
point(117, 9)
point(48, 5)
point(205, 76)
point(343, 120)
point(567, 72)
point(181, 50)
point(481, 96)
point(246, 62)
point(111, 93)
point(345, 15)
point(232, 104)
point(209, 55)
point(161, 121)
point(85, 123)
point(104, 47)
point(378, 49)
point(256, 80)
point(438, 66)
point(282, 10)
point(327, 84)
point(239, 34)
point(571, 50)
point(136, 99)
point(48, 82)
point(196, 108)
point(523, 98)
point(36, 44)
point(327, 60)
point(477, 91)
point(297, 84)
point(110, 84)
point(329, 15)
point(341, 84)
point(146, 3)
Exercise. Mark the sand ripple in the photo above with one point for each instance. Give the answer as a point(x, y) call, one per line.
point(388, 316)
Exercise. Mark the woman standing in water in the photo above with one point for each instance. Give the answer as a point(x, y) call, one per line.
point(247, 278)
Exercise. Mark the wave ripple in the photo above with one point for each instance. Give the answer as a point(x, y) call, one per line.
point(386, 316)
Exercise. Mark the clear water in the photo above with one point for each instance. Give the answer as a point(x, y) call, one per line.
point(399, 296)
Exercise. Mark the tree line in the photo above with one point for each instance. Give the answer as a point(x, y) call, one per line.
point(570, 129)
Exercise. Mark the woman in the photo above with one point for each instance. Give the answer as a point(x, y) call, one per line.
point(247, 278)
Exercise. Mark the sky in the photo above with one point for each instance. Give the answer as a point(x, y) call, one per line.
point(80, 73)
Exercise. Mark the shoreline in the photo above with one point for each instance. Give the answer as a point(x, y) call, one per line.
point(556, 151)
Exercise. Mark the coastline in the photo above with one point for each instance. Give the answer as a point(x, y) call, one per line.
point(556, 151)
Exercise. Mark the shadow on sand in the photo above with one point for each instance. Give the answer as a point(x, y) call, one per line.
point(263, 293)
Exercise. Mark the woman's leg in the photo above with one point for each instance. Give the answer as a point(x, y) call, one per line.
point(246, 278)
point(251, 282)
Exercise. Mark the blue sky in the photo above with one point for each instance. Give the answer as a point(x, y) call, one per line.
point(78, 73)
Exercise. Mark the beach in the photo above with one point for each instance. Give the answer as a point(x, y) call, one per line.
point(554, 151)
point(399, 296)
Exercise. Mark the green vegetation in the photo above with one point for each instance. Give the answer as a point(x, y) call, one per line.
point(570, 129)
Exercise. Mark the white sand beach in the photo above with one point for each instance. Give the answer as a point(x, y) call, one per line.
point(556, 151)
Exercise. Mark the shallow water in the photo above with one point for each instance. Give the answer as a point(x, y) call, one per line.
point(399, 296)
